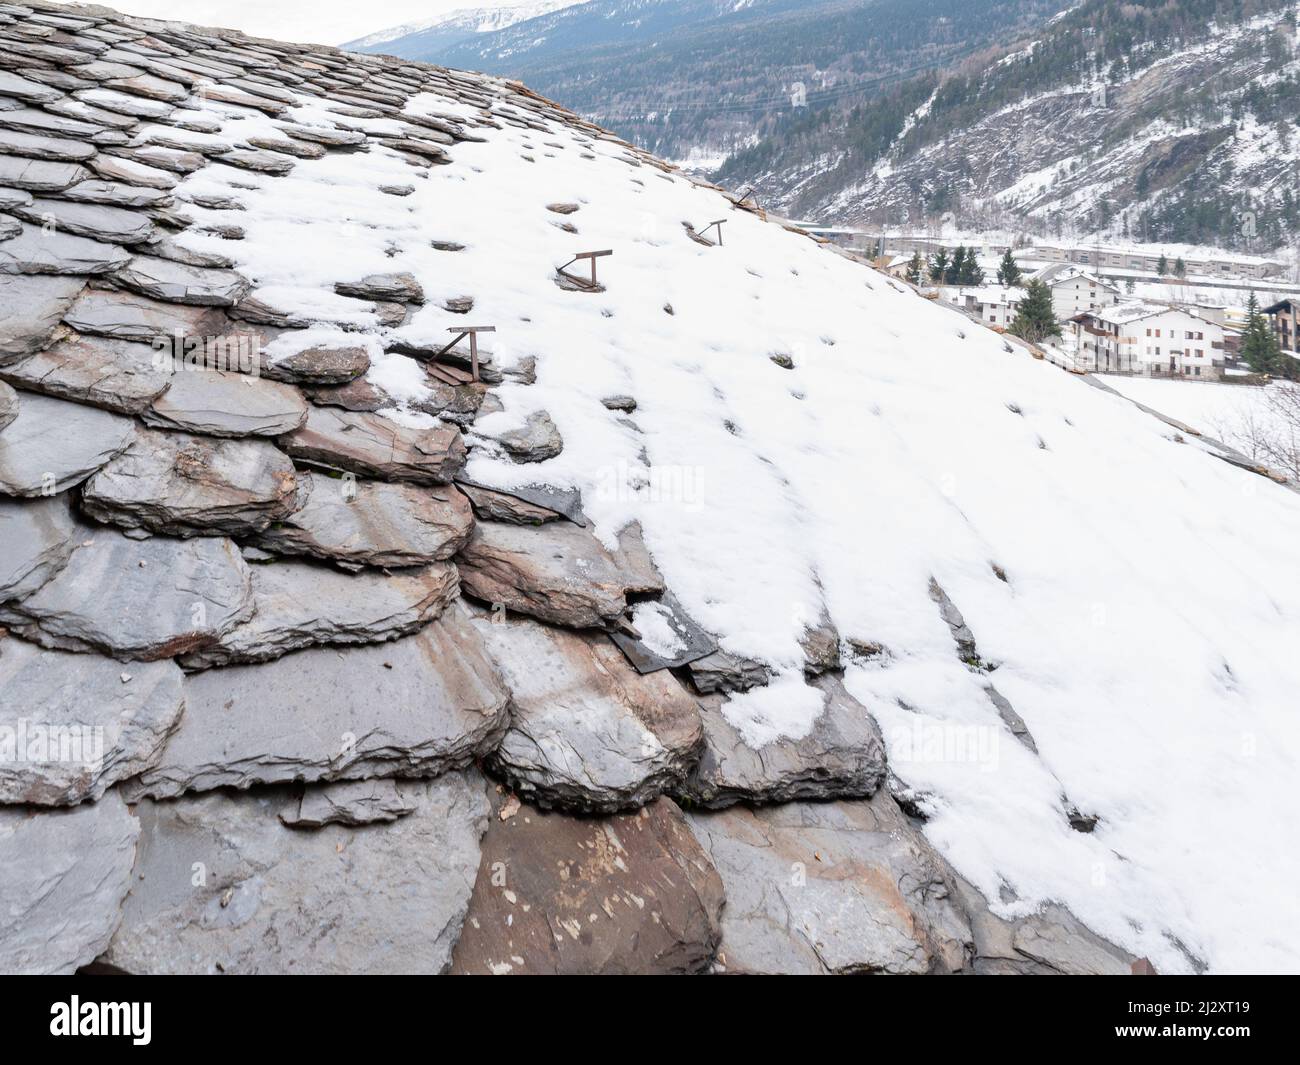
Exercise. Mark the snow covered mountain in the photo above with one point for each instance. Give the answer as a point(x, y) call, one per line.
point(745, 560)
point(436, 34)
point(701, 79)
point(1168, 122)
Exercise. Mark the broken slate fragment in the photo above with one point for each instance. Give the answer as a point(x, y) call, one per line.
point(95, 728)
point(371, 523)
point(376, 899)
point(842, 756)
point(53, 445)
point(420, 706)
point(144, 600)
point(298, 604)
point(587, 732)
point(349, 802)
point(187, 485)
point(842, 887)
point(63, 876)
point(630, 894)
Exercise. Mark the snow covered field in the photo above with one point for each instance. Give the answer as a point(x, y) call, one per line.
point(1231, 413)
point(1147, 623)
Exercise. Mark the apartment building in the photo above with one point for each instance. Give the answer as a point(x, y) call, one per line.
point(1148, 339)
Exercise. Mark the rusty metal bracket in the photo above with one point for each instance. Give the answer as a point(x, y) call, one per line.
point(713, 225)
point(593, 285)
point(462, 331)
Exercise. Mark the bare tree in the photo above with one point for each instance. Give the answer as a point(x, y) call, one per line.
point(1267, 433)
point(1283, 438)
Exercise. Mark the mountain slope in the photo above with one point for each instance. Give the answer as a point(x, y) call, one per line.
point(435, 35)
point(701, 78)
point(1163, 122)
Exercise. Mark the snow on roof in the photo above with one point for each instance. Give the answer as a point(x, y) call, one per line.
point(828, 472)
point(1055, 273)
point(1000, 294)
point(1122, 313)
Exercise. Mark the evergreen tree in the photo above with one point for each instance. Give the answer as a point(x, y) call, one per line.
point(972, 274)
point(1259, 346)
point(957, 267)
point(1162, 267)
point(1008, 270)
point(1035, 318)
point(915, 267)
point(939, 266)
point(1180, 268)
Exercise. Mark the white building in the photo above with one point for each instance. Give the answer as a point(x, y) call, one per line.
point(1076, 291)
point(991, 304)
point(1148, 339)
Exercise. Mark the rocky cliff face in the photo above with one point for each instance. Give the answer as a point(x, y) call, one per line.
point(322, 654)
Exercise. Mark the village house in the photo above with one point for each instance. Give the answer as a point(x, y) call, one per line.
point(993, 305)
point(1286, 322)
point(1148, 339)
point(1076, 291)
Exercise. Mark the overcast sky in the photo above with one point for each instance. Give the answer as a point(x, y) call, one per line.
point(317, 21)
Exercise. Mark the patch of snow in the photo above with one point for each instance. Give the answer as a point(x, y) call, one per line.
point(787, 708)
point(652, 621)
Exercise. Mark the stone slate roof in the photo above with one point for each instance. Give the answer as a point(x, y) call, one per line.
point(338, 686)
